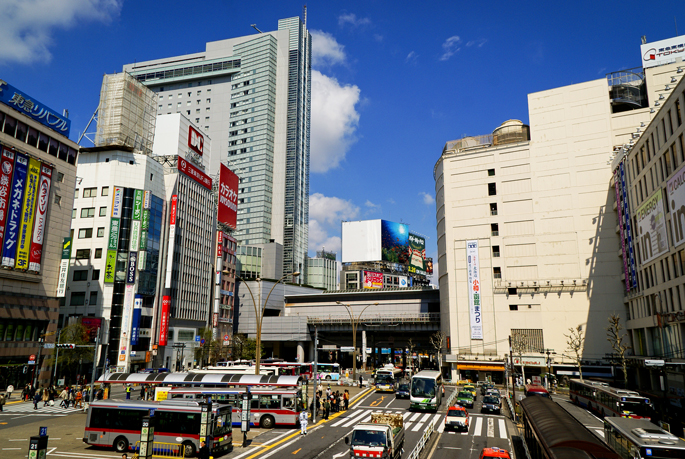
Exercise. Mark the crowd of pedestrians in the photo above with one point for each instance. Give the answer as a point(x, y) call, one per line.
point(73, 396)
point(330, 401)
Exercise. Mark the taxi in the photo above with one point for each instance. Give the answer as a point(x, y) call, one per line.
point(457, 418)
point(471, 388)
point(489, 453)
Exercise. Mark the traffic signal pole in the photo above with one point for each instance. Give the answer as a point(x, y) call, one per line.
point(95, 367)
point(54, 376)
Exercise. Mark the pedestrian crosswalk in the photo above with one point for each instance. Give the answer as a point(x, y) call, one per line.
point(480, 425)
point(27, 408)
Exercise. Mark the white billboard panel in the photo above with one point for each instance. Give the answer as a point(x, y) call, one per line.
point(475, 312)
point(651, 228)
point(663, 51)
point(361, 241)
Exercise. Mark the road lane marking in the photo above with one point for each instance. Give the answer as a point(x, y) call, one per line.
point(441, 427)
point(479, 427)
point(277, 438)
point(297, 451)
point(18, 439)
point(406, 415)
point(491, 427)
point(346, 422)
point(414, 418)
point(419, 424)
point(344, 453)
point(502, 429)
point(378, 402)
point(9, 449)
point(357, 414)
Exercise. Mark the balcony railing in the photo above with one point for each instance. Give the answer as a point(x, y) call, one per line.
point(377, 319)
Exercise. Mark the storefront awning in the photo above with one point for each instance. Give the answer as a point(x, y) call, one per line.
point(480, 366)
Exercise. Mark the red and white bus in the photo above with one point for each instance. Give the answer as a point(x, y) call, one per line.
point(117, 425)
point(605, 400)
point(268, 407)
point(535, 390)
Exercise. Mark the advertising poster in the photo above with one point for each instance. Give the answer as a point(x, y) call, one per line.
point(473, 272)
point(429, 265)
point(6, 169)
point(28, 210)
point(135, 319)
point(675, 193)
point(651, 228)
point(617, 185)
point(228, 197)
point(172, 236)
point(117, 199)
point(373, 279)
point(41, 218)
point(64, 268)
point(126, 326)
point(9, 245)
point(164, 320)
point(394, 242)
point(417, 251)
point(110, 264)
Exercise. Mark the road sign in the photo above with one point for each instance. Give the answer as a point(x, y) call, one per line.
point(43, 432)
point(346, 349)
point(202, 341)
point(49, 346)
point(227, 340)
point(197, 338)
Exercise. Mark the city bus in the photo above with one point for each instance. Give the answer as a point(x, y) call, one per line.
point(268, 407)
point(291, 368)
point(426, 390)
point(202, 379)
point(639, 438)
point(117, 425)
point(387, 379)
point(328, 371)
point(605, 400)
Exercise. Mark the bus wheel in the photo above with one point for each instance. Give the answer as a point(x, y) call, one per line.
point(189, 448)
point(121, 444)
point(267, 422)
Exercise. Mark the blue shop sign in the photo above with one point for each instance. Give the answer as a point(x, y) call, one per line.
point(12, 97)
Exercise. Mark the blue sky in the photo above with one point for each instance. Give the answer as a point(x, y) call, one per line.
point(392, 81)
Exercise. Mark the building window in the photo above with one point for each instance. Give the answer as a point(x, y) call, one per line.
point(96, 275)
point(494, 229)
point(492, 189)
point(73, 213)
point(495, 251)
point(101, 232)
point(209, 101)
point(77, 299)
point(60, 177)
point(93, 298)
point(85, 233)
point(513, 307)
point(98, 253)
point(58, 200)
point(497, 273)
point(493, 208)
point(83, 254)
point(491, 172)
point(76, 193)
point(103, 211)
point(80, 275)
point(88, 212)
point(105, 191)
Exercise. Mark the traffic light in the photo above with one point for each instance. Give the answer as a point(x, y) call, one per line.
point(66, 346)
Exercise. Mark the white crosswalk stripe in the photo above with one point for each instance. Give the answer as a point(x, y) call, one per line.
point(419, 424)
point(27, 408)
point(502, 429)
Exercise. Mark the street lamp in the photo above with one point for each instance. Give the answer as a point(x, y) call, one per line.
point(354, 321)
point(549, 365)
point(259, 315)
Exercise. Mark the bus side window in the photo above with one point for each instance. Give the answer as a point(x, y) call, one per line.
point(269, 402)
point(289, 403)
point(254, 403)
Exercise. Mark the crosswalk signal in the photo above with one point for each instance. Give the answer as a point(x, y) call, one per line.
point(66, 346)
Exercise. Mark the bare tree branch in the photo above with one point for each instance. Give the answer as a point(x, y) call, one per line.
point(616, 339)
point(575, 341)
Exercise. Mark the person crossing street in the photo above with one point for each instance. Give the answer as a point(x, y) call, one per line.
point(304, 420)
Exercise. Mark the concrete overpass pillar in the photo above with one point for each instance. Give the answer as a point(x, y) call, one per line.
point(300, 351)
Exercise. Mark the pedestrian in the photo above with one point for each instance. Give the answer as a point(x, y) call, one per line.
point(203, 453)
point(334, 403)
point(327, 408)
point(346, 398)
point(360, 381)
point(10, 389)
point(2, 401)
point(64, 395)
point(45, 396)
point(36, 399)
point(303, 422)
point(72, 399)
point(329, 392)
point(128, 392)
point(79, 400)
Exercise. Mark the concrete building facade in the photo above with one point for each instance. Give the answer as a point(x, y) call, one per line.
point(322, 271)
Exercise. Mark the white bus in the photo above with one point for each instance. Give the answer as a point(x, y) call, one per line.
point(328, 371)
point(640, 439)
point(426, 390)
point(387, 378)
point(117, 425)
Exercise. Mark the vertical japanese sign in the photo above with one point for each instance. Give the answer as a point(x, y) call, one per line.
point(64, 268)
point(164, 320)
point(125, 327)
point(110, 264)
point(219, 255)
point(626, 215)
point(113, 241)
point(36, 251)
point(131, 268)
point(473, 268)
point(228, 197)
point(172, 237)
point(6, 169)
point(9, 246)
point(27, 213)
point(651, 228)
point(135, 320)
point(619, 205)
point(144, 228)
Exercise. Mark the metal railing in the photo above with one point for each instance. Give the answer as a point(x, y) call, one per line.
point(160, 449)
point(416, 452)
point(423, 317)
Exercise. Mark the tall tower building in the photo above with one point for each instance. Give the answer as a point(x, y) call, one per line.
point(252, 94)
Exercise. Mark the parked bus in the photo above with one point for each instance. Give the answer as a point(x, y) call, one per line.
point(268, 407)
point(117, 425)
point(329, 371)
point(610, 401)
point(291, 368)
point(426, 390)
point(639, 438)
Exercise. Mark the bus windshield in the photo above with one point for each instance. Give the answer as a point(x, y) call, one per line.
point(385, 377)
point(636, 407)
point(421, 387)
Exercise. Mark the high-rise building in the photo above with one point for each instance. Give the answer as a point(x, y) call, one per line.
point(252, 94)
point(322, 271)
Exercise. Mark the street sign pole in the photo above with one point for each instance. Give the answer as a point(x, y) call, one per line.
point(95, 367)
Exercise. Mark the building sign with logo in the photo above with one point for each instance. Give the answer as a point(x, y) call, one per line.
point(228, 197)
point(6, 169)
point(131, 270)
point(196, 141)
point(135, 320)
point(164, 320)
point(194, 173)
point(475, 306)
point(663, 51)
point(64, 268)
point(36, 250)
point(12, 97)
point(530, 361)
point(651, 228)
point(172, 237)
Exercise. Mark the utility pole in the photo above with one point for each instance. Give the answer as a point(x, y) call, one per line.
point(54, 375)
point(316, 370)
point(95, 366)
point(36, 367)
point(513, 376)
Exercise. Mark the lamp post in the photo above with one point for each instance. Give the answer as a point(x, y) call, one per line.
point(549, 352)
point(259, 315)
point(354, 321)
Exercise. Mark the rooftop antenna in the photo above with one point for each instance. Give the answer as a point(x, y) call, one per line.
point(644, 39)
point(254, 26)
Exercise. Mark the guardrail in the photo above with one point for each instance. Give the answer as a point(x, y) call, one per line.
point(422, 442)
point(164, 450)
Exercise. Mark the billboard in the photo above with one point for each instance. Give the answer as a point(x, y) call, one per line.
point(27, 213)
point(172, 237)
point(92, 325)
point(228, 197)
point(675, 193)
point(361, 241)
point(36, 250)
point(373, 279)
point(164, 320)
point(473, 273)
point(196, 141)
point(12, 97)
point(429, 265)
point(417, 251)
point(651, 228)
point(663, 51)
point(194, 173)
point(394, 242)
point(6, 170)
point(64, 268)
point(9, 246)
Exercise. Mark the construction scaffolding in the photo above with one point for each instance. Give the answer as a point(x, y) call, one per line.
point(126, 114)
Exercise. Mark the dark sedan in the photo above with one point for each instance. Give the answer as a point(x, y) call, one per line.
point(491, 404)
point(402, 391)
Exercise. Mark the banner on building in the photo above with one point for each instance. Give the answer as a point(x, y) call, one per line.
point(228, 197)
point(124, 336)
point(137, 204)
point(651, 224)
point(473, 272)
point(373, 279)
point(135, 319)
point(142, 260)
point(145, 221)
point(131, 270)
point(172, 237)
point(36, 251)
point(117, 201)
point(64, 268)
point(135, 235)
point(28, 210)
point(110, 266)
point(629, 228)
point(147, 199)
point(9, 246)
point(164, 320)
point(675, 193)
point(619, 206)
point(417, 251)
point(6, 170)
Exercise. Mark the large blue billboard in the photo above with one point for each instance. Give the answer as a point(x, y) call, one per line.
point(12, 97)
point(394, 242)
point(9, 246)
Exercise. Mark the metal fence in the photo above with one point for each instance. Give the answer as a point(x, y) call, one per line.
point(424, 317)
point(160, 449)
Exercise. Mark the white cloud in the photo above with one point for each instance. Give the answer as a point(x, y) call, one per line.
point(411, 58)
point(371, 205)
point(450, 46)
point(353, 20)
point(334, 121)
point(319, 239)
point(427, 198)
point(326, 51)
point(27, 25)
point(325, 215)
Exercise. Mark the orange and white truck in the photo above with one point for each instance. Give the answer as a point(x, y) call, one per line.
point(383, 437)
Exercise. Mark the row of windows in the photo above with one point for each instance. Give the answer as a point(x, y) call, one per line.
point(89, 212)
point(180, 94)
point(191, 70)
point(92, 192)
point(87, 233)
point(84, 254)
point(79, 299)
point(30, 136)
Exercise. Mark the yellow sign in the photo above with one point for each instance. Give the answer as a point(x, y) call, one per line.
point(28, 211)
point(161, 394)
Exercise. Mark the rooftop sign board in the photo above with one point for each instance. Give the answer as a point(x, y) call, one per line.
point(663, 51)
point(14, 98)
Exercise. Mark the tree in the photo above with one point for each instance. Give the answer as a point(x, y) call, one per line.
point(69, 359)
point(437, 340)
point(519, 345)
point(244, 347)
point(209, 351)
point(616, 338)
point(575, 341)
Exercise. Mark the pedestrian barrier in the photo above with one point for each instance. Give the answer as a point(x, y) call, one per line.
point(160, 449)
point(416, 452)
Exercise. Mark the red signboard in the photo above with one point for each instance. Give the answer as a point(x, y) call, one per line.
point(194, 173)
point(228, 197)
point(196, 141)
point(6, 169)
point(219, 243)
point(36, 248)
point(373, 279)
point(164, 320)
point(174, 205)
